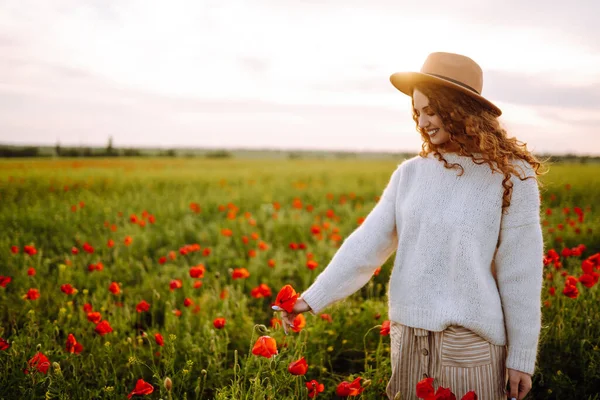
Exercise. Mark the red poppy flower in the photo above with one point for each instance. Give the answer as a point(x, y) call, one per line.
point(298, 367)
point(158, 338)
point(110, 243)
point(326, 317)
point(350, 388)
point(30, 250)
point(31, 271)
point(5, 280)
point(443, 393)
point(425, 388)
point(32, 294)
point(240, 273)
point(219, 323)
point(286, 298)
point(68, 289)
point(4, 345)
point(175, 284)
point(265, 346)
point(470, 396)
point(114, 288)
point(103, 327)
point(187, 302)
point(312, 264)
point(162, 260)
point(314, 388)
point(299, 323)
point(385, 328)
point(197, 284)
point(271, 263)
point(14, 249)
point(74, 250)
point(94, 316)
point(128, 240)
point(197, 271)
point(571, 291)
point(88, 248)
point(142, 306)
point(260, 291)
point(40, 362)
point(72, 345)
point(141, 388)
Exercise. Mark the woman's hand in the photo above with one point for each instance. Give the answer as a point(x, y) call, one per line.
point(520, 384)
point(288, 318)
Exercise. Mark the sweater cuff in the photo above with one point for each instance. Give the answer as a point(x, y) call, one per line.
point(315, 298)
point(521, 359)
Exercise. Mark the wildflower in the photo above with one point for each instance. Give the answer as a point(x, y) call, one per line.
point(4, 345)
point(197, 284)
point(114, 288)
point(110, 243)
point(240, 273)
point(571, 291)
point(158, 338)
point(299, 323)
point(425, 388)
point(68, 289)
point(14, 249)
point(72, 345)
point(265, 346)
point(187, 302)
point(40, 362)
point(30, 250)
point(5, 280)
point(142, 306)
point(32, 294)
point(88, 248)
point(298, 367)
point(326, 317)
point(31, 271)
point(226, 232)
point(141, 388)
point(197, 271)
point(128, 240)
point(103, 327)
point(286, 299)
point(74, 250)
point(312, 264)
point(350, 388)
point(275, 322)
point(94, 316)
point(175, 284)
point(314, 388)
point(219, 323)
point(385, 328)
point(261, 290)
point(271, 263)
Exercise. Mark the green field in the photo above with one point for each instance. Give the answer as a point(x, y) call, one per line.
point(268, 216)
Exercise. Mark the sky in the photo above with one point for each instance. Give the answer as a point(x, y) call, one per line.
point(311, 74)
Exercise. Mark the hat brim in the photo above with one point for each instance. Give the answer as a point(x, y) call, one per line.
point(406, 81)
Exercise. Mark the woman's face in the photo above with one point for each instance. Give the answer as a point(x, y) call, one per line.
point(428, 121)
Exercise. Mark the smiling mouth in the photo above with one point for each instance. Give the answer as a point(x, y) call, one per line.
point(432, 132)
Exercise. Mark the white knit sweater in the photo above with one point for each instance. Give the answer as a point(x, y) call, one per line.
point(446, 230)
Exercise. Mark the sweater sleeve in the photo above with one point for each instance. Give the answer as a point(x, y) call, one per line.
point(519, 264)
point(363, 251)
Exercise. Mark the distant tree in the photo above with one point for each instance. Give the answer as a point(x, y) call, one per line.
point(57, 149)
point(110, 151)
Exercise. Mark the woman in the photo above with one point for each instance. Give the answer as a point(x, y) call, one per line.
point(463, 217)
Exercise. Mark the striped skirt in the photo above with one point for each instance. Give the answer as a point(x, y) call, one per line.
point(456, 358)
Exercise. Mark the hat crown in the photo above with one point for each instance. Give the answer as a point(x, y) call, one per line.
point(455, 67)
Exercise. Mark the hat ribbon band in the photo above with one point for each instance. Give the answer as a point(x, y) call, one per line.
point(455, 81)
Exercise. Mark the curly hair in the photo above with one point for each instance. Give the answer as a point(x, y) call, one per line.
point(474, 128)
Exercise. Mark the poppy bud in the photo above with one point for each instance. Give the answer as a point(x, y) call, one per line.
point(261, 329)
point(203, 371)
point(38, 347)
point(168, 384)
point(56, 367)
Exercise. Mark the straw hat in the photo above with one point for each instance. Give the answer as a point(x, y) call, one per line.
point(448, 69)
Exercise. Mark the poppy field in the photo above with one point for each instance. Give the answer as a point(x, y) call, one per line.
point(155, 278)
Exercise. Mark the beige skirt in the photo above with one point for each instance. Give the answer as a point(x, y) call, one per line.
point(456, 358)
